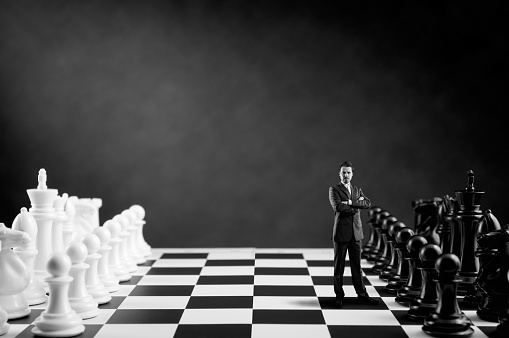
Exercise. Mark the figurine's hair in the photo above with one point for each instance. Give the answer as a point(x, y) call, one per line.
point(345, 164)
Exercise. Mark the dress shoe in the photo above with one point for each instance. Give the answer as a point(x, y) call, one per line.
point(339, 303)
point(365, 299)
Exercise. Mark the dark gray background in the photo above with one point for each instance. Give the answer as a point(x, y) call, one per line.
point(227, 120)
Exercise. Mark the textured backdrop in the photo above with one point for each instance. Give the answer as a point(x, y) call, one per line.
point(227, 120)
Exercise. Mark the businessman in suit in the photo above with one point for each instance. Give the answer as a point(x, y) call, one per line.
point(346, 201)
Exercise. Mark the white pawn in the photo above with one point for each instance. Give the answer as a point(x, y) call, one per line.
point(24, 221)
point(110, 281)
point(124, 235)
point(132, 248)
point(142, 244)
point(116, 265)
point(59, 319)
point(79, 298)
point(94, 285)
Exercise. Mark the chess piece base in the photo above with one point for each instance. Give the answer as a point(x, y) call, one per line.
point(447, 326)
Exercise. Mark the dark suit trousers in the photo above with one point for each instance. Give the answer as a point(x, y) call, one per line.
point(354, 249)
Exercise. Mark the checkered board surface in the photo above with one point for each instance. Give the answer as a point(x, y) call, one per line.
point(259, 293)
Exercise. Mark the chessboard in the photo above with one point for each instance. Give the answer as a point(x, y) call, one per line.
point(245, 292)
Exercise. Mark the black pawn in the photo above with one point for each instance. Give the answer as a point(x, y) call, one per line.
point(400, 277)
point(427, 300)
point(412, 288)
point(373, 236)
point(386, 253)
point(377, 250)
point(447, 319)
point(390, 268)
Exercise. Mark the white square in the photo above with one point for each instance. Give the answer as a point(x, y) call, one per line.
point(472, 315)
point(227, 271)
point(319, 255)
point(14, 330)
point(137, 330)
point(217, 316)
point(169, 280)
point(359, 317)
point(282, 280)
point(223, 290)
point(280, 263)
point(376, 281)
point(393, 305)
point(179, 263)
point(279, 302)
point(289, 331)
point(234, 254)
point(155, 302)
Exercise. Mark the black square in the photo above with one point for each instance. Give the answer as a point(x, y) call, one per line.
point(288, 317)
point(34, 313)
point(284, 290)
point(282, 271)
point(351, 303)
point(220, 302)
point(342, 331)
point(214, 331)
point(147, 263)
point(146, 316)
point(225, 280)
point(174, 271)
point(230, 262)
point(114, 303)
point(404, 319)
point(162, 290)
point(382, 291)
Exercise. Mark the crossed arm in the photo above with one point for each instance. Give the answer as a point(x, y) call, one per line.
point(350, 206)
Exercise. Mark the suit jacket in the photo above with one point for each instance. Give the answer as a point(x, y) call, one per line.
point(347, 219)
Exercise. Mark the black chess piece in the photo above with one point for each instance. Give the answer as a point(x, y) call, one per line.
point(390, 268)
point(424, 210)
point(412, 288)
point(429, 228)
point(447, 319)
point(427, 299)
point(373, 236)
point(447, 218)
point(376, 251)
point(468, 218)
point(502, 330)
point(494, 280)
point(400, 277)
point(385, 257)
point(488, 224)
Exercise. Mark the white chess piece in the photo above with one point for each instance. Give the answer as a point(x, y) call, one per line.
point(93, 284)
point(24, 221)
point(110, 281)
point(125, 258)
point(116, 265)
point(14, 274)
point(57, 237)
point(79, 298)
point(142, 244)
point(68, 229)
point(4, 326)
point(132, 248)
point(83, 218)
point(42, 209)
point(59, 319)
